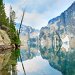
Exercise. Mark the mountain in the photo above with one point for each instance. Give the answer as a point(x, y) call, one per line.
point(25, 29)
point(61, 26)
point(61, 34)
point(28, 35)
point(66, 21)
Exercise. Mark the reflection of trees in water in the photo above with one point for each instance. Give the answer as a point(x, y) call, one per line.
point(61, 60)
point(25, 55)
point(32, 47)
point(10, 67)
point(32, 43)
point(4, 57)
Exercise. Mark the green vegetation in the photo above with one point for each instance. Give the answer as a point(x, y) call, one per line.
point(9, 25)
point(11, 64)
point(13, 34)
point(2, 14)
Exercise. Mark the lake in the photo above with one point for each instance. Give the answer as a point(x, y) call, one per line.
point(18, 62)
point(37, 61)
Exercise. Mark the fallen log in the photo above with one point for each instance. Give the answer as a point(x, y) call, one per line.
point(5, 47)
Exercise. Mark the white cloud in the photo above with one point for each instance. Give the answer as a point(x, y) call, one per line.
point(38, 12)
point(34, 19)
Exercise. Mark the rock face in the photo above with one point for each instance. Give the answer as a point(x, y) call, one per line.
point(4, 38)
point(28, 35)
point(60, 26)
point(61, 31)
point(44, 37)
point(64, 22)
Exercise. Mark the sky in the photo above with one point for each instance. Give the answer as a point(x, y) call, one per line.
point(37, 12)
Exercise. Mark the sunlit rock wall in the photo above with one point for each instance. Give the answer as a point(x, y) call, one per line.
point(4, 38)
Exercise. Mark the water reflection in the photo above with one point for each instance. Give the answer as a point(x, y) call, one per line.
point(4, 57)
point(35, 64)
point(19, 62)
point(10, 61)
point(61, 57)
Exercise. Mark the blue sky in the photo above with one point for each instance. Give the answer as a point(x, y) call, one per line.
point(38, 12)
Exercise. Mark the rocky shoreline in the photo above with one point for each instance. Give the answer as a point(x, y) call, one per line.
point(5, 47)
point(5, 42)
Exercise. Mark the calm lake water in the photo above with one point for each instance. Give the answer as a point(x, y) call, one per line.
point(20, 62)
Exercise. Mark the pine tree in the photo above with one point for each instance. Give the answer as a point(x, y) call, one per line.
point(13, 33)
point(2, 14)
point(8, 27)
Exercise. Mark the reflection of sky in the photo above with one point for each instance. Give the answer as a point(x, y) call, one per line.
point(37, 66)
point(38, 12)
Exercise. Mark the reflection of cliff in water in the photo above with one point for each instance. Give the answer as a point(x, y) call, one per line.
point(8, 61)
point(29, 53)
point(60, 59)
point(4, 58)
